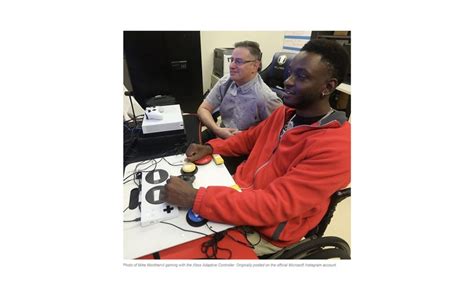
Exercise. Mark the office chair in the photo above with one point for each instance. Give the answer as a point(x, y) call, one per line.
point(278, 71)
point(314, 245)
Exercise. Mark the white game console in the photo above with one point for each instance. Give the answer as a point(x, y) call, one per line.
point(162, 119)
point(154, 209)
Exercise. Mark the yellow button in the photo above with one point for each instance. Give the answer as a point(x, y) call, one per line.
point(236, 187)
point(217, 159)
point(189, 167)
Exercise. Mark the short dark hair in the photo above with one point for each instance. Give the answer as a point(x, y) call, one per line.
point(252, 46)
point(333, 54)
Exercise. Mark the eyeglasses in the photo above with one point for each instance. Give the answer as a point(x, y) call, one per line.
point(239, 62)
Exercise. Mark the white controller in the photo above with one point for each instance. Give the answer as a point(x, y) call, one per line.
point(155, 113)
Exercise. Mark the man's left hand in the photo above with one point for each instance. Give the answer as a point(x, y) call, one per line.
point(179, 193)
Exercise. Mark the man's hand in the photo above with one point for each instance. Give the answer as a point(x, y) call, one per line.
point(179, 193)
point(225, 132)
point(196, 151)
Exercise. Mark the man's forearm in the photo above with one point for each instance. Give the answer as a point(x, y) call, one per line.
point(206, 118)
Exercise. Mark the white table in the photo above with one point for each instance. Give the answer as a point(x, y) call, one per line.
point(139, 241)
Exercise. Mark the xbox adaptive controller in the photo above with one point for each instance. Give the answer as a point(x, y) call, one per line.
point(155, 113)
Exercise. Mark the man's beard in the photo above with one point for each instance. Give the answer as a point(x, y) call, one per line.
point(303, 103)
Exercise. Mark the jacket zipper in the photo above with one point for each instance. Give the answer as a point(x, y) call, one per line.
point(263, 165)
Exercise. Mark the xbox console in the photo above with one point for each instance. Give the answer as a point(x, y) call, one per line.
point(160, 119)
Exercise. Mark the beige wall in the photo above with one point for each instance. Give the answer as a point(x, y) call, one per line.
point(270, 42)
point(340, 225)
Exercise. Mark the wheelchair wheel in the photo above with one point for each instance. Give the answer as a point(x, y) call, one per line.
point(316, 248)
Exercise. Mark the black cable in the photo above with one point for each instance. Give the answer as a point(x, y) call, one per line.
point(136, 167)
point(131, 120)
point(126, 209)
point(128, 128)
point(142, 163)
point(132, 135)
point(212, 245)
point(201, 233)
point(138, 184)
point(155, 163)
point(136, 220)
point(129, 181)
point(210, 228)
point(135, 171)
point(171, 164)
point(244, 231)
point(132, 174)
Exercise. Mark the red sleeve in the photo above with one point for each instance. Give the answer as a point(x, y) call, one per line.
point(301, 190)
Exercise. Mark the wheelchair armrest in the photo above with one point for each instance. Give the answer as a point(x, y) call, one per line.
point(340, 195)
point(336, 198)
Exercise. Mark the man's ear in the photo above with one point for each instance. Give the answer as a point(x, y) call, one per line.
point(258, 65)
point(330, 86)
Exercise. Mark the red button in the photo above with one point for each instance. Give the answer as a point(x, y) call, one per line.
point(205, 160)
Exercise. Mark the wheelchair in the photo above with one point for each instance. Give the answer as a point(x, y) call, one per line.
point(314, 245)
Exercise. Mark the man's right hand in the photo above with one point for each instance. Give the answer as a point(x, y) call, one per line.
point(225, 132)
point(196, 151)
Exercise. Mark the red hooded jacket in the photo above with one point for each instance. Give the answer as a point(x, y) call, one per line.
point(286, 184)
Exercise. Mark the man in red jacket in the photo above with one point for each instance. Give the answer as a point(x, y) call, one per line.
point(298, 157)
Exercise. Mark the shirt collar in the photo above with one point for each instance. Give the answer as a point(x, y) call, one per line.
point(336, 116)
point(247, 86)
